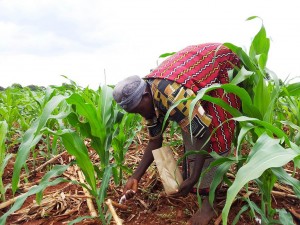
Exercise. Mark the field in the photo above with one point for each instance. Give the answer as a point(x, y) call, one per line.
point(67, 151)
point(65, 202)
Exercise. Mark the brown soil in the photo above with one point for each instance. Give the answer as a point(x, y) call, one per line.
point(66, 202)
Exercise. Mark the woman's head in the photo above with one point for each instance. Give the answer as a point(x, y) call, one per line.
point(128, 93)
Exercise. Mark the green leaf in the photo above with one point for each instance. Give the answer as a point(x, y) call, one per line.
point(201, 95)
point(297, 162)
point(262, 62)
point(83, 128)
point(236, 219)
point(246, 60)
point(75, 146)
point(284, 177)
point(252, 17)
point(244, 130)
point(265, 126)
point(106, 104)
point(285, 217)
point(242, 75)
point(292, 89)
point(268, 156)
point(260, 44)
point(88, 111)
point(166, 54)
point(255, 208)
point(4, 163)
point(104, 184)
point(79, 219)
point(57, 170)
point(32, 136)
point(102, 191)
point(220, 172)
point(262, 96)
point(116, 175)
point(241, 93)
point(3, 131)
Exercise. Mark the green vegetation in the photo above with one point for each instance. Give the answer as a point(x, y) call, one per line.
point(69, 115)
point(44, 122)
point(267, 106)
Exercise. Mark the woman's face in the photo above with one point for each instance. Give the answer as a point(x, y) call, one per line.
point(145, 108)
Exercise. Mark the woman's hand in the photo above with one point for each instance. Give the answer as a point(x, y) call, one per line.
point(130, 188)
point(185, 188)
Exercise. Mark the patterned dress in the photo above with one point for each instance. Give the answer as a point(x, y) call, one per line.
point(184, 74)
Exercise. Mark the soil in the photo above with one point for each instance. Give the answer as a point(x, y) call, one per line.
point(65, 202)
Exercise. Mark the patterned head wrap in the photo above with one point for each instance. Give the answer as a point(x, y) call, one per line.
point(128, 92)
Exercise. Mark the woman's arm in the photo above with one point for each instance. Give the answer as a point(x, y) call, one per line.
point(147, 158)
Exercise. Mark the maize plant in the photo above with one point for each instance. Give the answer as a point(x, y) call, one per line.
point(271, 147)
point(66, 117)
point(4, 157)
point(260, 92)
point(73, 117)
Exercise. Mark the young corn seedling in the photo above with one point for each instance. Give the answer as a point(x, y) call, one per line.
point(74, 117)
point(125, 133)
point(4, 157)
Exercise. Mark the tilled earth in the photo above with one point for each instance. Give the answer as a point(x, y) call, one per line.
point(65, 202)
